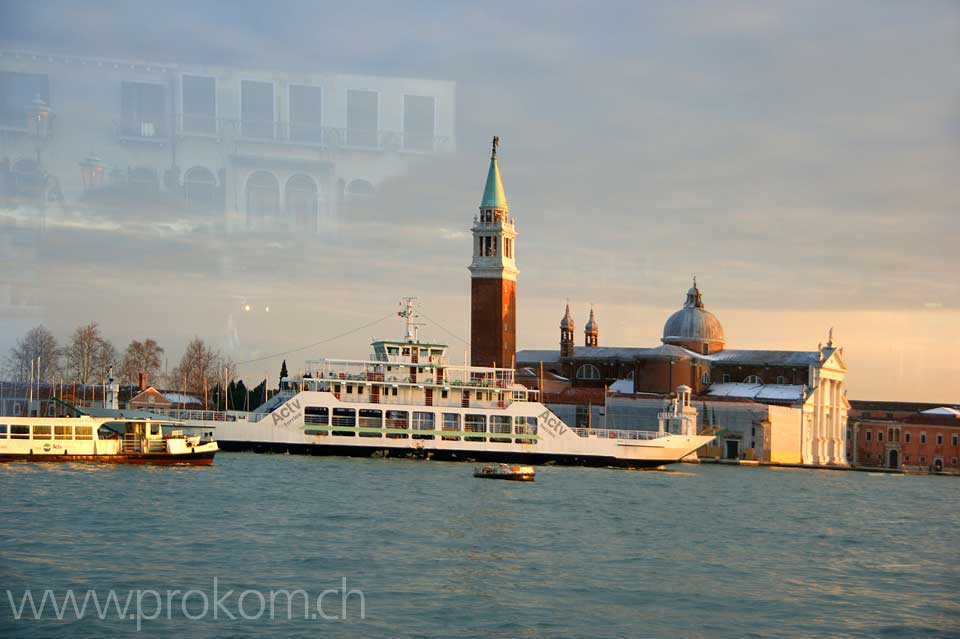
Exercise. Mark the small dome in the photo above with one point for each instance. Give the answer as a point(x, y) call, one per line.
point(592, 327)
point(692, 323)
point(566, 324)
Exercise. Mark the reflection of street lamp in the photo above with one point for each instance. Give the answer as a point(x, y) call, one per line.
point(38, 119)
point(93, 172)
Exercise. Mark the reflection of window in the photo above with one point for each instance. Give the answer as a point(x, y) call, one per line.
point(588, 371)
point(363, 118)
point(199, 104)
point(263, 197)
point(301, 193)
point(256, 109)
point(17, 93)
point(306, 113)
point(752, 379)
point(143, 107)
point(361, 188)
point(419, 115)
point(200, 188)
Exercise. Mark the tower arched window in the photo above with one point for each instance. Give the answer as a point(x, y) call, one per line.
point(588, 371)
point(263, 197)
point(200, 189)
point(752, 379)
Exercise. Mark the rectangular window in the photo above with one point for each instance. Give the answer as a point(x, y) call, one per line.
point(423, 420)
point(17, 93)
point(500, 424)
point(394, 391)
point(879, 435)
point(939, 439)
point(143, 108)
point(923, 438)
point(349, 389)
point(318, 415)
point(419, 120)
point(3, 431)
point(475, 424)
point(346, 418)
point(363, 118)
point(906, 438)
point(445, 393)
point(923, 460)
point(954, 440)
point(451, 422)
point(306, 113)
point(370, 418)
point(19, 432)
point(906, 458)
point(199, 99)
point(83, 432)
point(256, 109)
point(63, 432)
point(889, 434)
point(869, 433)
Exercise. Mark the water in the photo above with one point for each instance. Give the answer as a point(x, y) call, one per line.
point(701, 551)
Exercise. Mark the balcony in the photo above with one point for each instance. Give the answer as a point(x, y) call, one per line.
point(134, 129)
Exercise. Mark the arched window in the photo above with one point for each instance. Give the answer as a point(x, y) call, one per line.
point(302, 201)
point(200, 189)
point(588, 371)
point(263, 198)
point(361, 188)
point(752, 379)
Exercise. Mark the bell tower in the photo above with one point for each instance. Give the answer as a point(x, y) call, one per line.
point(493, 276)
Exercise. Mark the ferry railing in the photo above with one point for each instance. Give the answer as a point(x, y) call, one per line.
point(195, 415)
point(606, 433)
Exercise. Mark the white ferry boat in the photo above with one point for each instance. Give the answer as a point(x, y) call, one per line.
point(99, 439)
point(408, 400)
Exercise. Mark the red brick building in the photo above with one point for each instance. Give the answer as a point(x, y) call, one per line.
point(927, 441)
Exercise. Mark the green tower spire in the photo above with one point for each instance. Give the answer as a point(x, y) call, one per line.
point(493, 195)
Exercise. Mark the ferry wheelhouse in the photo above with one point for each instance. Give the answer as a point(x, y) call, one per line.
point(100, 439)
point(408, 400)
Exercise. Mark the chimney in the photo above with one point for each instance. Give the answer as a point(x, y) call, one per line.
point(143, 382)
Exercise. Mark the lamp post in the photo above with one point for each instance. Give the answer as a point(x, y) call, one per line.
point(93, 172)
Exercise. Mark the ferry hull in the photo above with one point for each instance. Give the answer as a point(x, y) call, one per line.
point(185, 459)
point(441, 454)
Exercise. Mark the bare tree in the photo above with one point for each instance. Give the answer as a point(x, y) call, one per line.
point(88, 355)
point(38, 342)
point(142, 357)
point(199, 370)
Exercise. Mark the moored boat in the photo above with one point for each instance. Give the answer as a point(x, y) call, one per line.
point(505, 471)
point(100, 439)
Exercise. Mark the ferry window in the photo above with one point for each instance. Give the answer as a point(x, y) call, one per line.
point(475, 423)
point(336, 388)
point(436, 352)
point(939, 439)
point(3, 431)
point(906, 438)
point(42, 432)
point(370, 418)
point(500, 424)
point(424, 352)
point(423, 420)
point(394, 393)
point(344, 417)
point(83, 432)
point(406, 351)
point(360, 388)
point(63, 432)
point(393, 350)
point(19, 432)
point(451, 421)
point(349, 389)
point(446, 391)
point(316, 415)
point(154, 429)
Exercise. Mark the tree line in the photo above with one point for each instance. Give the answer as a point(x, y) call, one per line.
point(87, 358)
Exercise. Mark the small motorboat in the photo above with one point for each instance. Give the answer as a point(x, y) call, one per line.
point(504, 471)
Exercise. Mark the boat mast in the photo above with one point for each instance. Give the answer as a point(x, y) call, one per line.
point(409, 312)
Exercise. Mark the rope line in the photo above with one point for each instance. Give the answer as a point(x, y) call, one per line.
point(442, 327)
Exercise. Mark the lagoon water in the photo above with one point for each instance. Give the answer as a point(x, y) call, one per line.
point(698, 551)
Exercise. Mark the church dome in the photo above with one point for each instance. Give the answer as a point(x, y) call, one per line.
point(566, 324)
point(693, 325)
point(592, 327)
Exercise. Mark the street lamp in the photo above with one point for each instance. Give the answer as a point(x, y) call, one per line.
point(93, 172)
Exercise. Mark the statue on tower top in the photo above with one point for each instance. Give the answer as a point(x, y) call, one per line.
point(496, 145)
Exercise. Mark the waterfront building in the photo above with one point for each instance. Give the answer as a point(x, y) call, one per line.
point(925, 441)
point(741, 391)
point(247, 149)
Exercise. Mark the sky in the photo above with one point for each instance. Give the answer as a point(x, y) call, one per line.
point(800, 158)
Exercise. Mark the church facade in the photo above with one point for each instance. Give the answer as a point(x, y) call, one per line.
point(693, 352)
